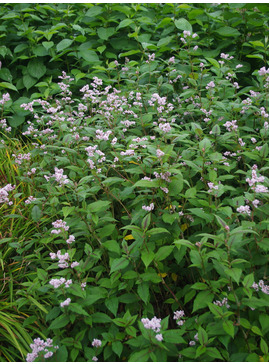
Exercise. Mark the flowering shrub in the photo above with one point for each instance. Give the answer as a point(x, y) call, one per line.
point(149, 201)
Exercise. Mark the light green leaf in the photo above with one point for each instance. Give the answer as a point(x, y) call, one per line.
point(147, 257)
point(228, 32)
point(95, 10)
point(8, 85)
point(105, 33)
point(183, 24)
point(36, 213)
point(124, 23)
point(63, 44)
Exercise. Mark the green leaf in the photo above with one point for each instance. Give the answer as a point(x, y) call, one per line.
point(157, 231)
point(36, 213)
point(130, 330)
point(59, 322)
point(129, 53)
point(47, 45)
point(258, 56)
point(174, 337)
point(89, 55)
point(112, 304)
point(74, 307)
point(105, 33)
point(146, 222)
point(112, 246)
point(119, 263)
point(187, 243)
point(95, 10)
point(100, 318)
point(147, 257)
point(256, 330)
point(216, 310)
point(67, 210)
point(8, 85)
point(264, 321)
point(65, 43)
point(74, 353)
point(202, 336)
point(248, 280)
point(245, 323)
point(28, 81)
point(228, 327)
point(183, 24)
point(214, 63)
point(202, 299)
point(140, 356)
point(143, 291)
point(76, 290)
point(234, 273)
point(117, 347)
point(214, 353)
point(200, 213)
point(164, 41)
point(112, 180)
point(176, 185)
point(144, 183)
point(228, 32)
point(124, 23)
point(263, 346)
point(163, 253)
point(98, 206)
point(106, 230)
point(200, 351)
point(61, 355)
point(36, 68)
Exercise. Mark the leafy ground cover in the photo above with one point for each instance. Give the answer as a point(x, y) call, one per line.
point(134, 215)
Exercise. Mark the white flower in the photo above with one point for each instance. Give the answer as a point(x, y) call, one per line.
point(65, 303)
point(96, 343)
point(159, 337)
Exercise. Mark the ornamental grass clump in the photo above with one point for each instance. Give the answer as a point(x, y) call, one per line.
point(149, 213)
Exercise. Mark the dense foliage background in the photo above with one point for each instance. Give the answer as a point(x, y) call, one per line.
point(134, 189)
point(38, 41)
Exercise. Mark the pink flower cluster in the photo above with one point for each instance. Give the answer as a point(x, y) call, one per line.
point(60, 224)
point(258, 188)
point(66, 302)
point(29, 200)
point(264, 288)
point(148, 208)
point(4, 198)
point(212, 187)
point(231, 125)
point(96, 343)
point(21, 157)
point(178, 317)
point(39, 346)
point(63, 259)
point(224, 302)
point(56, 283)
point(153, 324)
point(5, 98)
point(60, 177)
point(244, 210)
point(3, 124)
